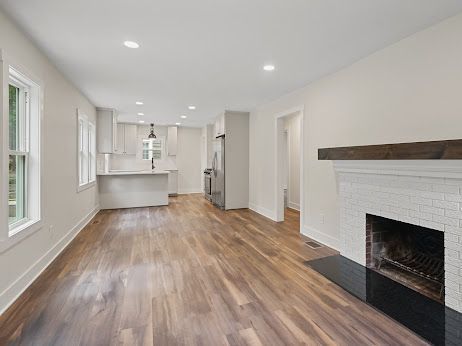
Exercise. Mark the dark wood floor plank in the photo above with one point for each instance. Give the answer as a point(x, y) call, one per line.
point(191, 274)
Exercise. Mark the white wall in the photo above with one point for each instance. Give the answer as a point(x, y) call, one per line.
point(203, 151)
point(63, 207)
point(189, 160)
point(407, 92)
point(207, 137)
point(236, 125)
point(292, 126)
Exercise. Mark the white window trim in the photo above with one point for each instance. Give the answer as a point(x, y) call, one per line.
point(22, 148)
point(90, 147)
point(91, 153)
point(9, 236)
point(164, 151)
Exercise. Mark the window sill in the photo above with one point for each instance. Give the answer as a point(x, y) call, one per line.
point(23, 227)
point(19, 233)
point(84, 187)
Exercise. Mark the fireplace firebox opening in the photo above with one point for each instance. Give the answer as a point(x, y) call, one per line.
point(409, 254)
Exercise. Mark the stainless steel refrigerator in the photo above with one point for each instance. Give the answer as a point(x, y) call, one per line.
point(218, 172)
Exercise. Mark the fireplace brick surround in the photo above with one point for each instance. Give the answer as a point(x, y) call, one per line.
point(424, 193)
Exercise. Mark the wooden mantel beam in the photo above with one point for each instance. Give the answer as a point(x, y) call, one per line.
point(435, 150)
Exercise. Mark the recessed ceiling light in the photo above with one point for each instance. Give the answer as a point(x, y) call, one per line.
point(140, 113)
point(141, 121)
point(131, 44)
point(139, 103)
point(178, 124)
point(183, 117)
point(192, 107)
point(269, 67)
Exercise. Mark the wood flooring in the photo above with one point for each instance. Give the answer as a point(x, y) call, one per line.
point(191, 274)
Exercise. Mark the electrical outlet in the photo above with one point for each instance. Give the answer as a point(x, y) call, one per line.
point(51, 229)
point(321, 219)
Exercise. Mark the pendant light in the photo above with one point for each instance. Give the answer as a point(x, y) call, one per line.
point(152, 134)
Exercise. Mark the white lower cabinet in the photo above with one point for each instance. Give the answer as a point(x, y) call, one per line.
point(172, 183)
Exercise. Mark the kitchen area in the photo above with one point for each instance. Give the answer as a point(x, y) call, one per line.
point(144, 165)
point(136, 163)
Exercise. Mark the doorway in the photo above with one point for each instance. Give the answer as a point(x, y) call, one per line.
point(286, 166)
point(289, 163)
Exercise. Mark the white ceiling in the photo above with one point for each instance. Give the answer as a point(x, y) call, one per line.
point(210, 53)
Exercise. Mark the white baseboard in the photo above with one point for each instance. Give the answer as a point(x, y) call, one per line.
point(189, 191)
point(263, 211)
point(12, 292)
point(321, 237)
point(293, 205)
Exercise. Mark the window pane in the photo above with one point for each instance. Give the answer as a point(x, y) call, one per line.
point(146, 149)
point(83, 153)
point(157, 154)
point(13, 116)
point(81, 167)
point(156, 144)
point(92, 152)
point(81, 135)
point(16, 188)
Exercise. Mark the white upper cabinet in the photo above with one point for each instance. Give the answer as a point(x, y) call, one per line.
point(106, 126)
point(114, 134)
point(114, 138)
point(172, 136)
point(220, 125)
point(126, 136)
point(130, 138)
point(119, 145)
point(216, 128)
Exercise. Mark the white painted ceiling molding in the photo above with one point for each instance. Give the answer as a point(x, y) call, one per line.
point(423, 168)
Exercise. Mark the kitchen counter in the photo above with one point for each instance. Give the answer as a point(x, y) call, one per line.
point(133, 189)
point(127, 172)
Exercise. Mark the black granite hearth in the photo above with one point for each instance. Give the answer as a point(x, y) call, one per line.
point(429, 319)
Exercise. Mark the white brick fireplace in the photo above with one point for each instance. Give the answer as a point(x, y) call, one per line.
point(424, 193)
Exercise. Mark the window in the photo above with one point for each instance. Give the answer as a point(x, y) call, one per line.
point(86, 151)
point(23, 152)
point(92, 152)
point(153, 148)
point(17, 152)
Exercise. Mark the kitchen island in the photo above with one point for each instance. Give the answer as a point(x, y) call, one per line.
point(132, 189)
